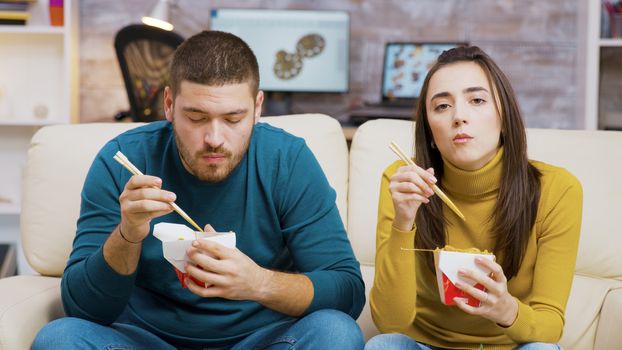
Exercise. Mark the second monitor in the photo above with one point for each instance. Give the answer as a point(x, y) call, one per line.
point(405, 66)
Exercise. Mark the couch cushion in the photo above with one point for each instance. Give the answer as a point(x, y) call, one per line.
point(595, 158)
point(369, 156)
point(608, 335)
point(27, 303)
point(324, 136)
point(58, 160)
point(583, 311)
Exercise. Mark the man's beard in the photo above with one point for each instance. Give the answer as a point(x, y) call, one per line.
point(210, 173)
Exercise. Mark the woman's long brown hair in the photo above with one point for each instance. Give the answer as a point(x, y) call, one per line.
point(519, 193)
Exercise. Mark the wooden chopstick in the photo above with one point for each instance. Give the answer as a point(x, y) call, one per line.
point(122, 159)
point(398, 151)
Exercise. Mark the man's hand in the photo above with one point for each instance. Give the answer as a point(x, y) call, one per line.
point(230, 274)
point(142, 200)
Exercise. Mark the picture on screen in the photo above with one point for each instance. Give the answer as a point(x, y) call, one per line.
point(288, 65)
point(297, 51)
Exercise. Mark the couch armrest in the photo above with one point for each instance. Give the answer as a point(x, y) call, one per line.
point(608, 335)
point(27, 303)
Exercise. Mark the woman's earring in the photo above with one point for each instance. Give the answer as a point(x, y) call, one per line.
point(432, 144)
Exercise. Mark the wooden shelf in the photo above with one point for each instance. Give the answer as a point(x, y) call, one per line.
point(610, 42)
point(35, 29)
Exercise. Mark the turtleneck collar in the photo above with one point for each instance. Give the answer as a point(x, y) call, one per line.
point(478, 182)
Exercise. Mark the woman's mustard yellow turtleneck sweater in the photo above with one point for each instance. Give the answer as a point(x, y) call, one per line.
point(405, 298)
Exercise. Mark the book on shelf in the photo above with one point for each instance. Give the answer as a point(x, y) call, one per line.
point(14, 17)
point(13, 6)
point(611, 19)
point(14, 11)
point(13, 21)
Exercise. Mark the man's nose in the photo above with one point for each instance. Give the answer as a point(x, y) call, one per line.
point(214, 134)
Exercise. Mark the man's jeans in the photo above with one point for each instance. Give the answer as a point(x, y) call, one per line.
point(323, 329)
point(403, 342)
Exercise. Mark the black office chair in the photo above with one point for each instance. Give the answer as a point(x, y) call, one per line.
point(144, 53)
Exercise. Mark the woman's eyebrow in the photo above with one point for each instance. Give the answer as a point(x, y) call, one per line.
point(439, 95)
point(474, 89)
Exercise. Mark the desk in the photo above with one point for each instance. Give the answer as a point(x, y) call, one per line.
point(361, 115)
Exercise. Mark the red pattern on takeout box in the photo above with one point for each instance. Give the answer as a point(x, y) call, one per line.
point(182, 279)
point(447, 264)
point(451, 292)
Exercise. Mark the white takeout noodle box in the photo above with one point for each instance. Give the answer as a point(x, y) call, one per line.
point(177, 238)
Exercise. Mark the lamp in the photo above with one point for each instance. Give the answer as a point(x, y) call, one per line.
point(160, 16)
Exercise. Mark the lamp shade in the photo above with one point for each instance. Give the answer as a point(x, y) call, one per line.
point(159, 16)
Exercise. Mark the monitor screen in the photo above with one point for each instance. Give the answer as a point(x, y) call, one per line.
point(406, 65)
point(297, 51)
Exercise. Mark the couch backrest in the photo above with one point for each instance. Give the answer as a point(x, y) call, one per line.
point(60, 156)
point(58, 159)
point(594, 157)
point(369, 156)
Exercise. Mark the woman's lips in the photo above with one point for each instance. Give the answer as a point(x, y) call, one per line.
point(462, 138)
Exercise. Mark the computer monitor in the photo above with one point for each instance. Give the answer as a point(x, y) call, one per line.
point(297, 50)
point(405, 68)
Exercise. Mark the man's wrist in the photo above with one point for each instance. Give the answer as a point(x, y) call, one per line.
point(264, 288)
point(121, 255)
point(126, 239)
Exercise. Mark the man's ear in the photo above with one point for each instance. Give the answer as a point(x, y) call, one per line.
point(258, 104)
point(168, 103)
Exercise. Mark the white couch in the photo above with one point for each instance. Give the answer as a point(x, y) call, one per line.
point(59, 157)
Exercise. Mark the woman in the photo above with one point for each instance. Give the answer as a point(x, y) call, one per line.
point(470, 141)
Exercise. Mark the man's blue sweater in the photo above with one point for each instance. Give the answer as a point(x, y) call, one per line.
point(278, 202)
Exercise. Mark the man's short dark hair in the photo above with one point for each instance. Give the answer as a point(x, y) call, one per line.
point(214, 58)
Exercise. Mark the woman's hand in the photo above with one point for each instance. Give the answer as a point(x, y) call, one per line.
point(496, 303)
point(410, 186)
